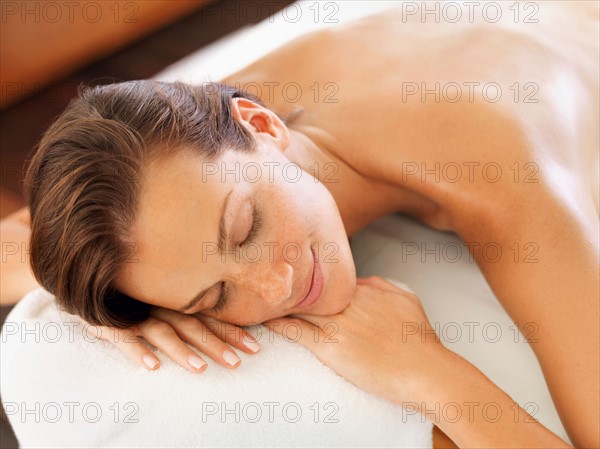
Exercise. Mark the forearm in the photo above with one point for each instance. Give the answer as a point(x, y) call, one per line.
point(16, 278)
point(471, 410)
point(555, 292)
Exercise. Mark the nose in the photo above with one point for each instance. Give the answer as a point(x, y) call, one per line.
point(271, 282)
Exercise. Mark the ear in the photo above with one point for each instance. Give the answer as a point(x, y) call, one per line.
point(263, 123)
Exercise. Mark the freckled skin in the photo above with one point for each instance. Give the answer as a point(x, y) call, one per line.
point(177, 235)
point(374, 135)
point(368, 136)
point(365, 146)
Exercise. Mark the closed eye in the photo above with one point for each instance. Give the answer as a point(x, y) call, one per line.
point(256, 225)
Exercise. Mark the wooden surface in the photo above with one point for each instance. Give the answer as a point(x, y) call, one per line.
point(42, 41)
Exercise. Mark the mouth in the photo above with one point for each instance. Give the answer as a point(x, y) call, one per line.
point(316, 284)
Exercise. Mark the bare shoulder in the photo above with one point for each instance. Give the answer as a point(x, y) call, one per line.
point(477, 159)
point(477, 118)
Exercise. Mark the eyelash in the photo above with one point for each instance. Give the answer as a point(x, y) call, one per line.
point(256, 224)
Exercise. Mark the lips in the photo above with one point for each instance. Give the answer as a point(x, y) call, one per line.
point(315, 284)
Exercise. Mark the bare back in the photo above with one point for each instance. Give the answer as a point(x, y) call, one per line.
point(389, 91)
point(393, 123)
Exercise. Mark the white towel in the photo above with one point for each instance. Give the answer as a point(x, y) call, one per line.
point(60, 390)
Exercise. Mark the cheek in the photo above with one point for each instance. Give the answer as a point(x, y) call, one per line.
point(289, 215)
point(245, 314)
point(304, 204)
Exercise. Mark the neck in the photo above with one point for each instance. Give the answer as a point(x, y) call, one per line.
point(360, 199)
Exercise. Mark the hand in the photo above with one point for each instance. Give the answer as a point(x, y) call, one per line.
point(168, 330)
point(382, 342)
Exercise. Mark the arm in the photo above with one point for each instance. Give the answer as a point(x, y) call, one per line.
point(546, 222)
point(554, 283)
point(469, 408)
point(371, 349)
point(17, 278)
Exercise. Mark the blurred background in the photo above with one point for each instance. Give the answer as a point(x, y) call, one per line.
point(49, 48)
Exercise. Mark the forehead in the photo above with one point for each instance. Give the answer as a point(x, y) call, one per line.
point(172, 191)
point(178, 209)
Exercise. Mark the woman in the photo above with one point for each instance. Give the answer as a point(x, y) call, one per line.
point(150, 194)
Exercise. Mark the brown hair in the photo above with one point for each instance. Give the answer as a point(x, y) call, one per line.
point(82, 184)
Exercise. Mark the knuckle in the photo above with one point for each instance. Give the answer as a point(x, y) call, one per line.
point(231, 329)
point(148, 322)
point(157, 327)
point(216, 327)
point(187, 319)
point(190, 326)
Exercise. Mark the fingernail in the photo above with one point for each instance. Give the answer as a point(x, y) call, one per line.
point(196, 362)
point(251, 344)
point(231, 358)
point(150, 361)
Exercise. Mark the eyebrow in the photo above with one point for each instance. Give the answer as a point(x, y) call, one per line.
point(221, 246)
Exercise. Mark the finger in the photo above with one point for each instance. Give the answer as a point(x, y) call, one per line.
point(134, 349)
point(231, 334)
point(194, 331)
point(164, 337)
point(296, 330)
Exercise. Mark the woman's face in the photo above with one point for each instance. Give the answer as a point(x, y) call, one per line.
point(244, 239)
